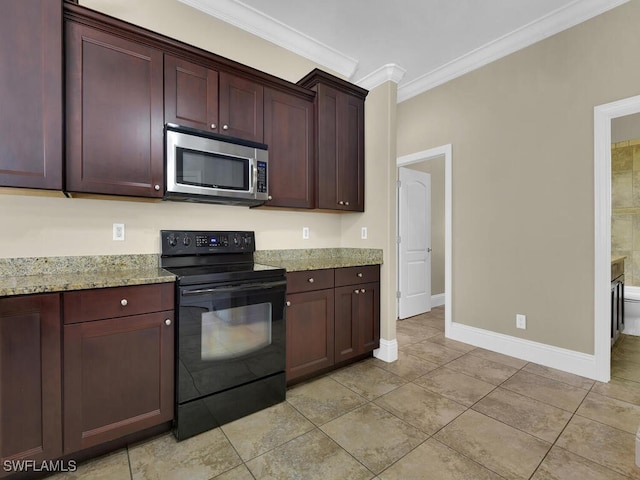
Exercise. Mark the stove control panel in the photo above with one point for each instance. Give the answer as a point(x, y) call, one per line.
point(180, 242)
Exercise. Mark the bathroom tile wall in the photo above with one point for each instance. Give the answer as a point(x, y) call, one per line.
point(625, 205)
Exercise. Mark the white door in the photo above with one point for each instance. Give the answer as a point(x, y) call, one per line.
point(414, 226)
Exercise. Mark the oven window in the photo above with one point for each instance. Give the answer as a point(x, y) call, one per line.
point(205, 169)
point(234, 332)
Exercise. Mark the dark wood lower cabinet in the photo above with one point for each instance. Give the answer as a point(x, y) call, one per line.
point(118, 377)
point(357, 321)
point(309, 332)
point(333, 316)
point(30, 378)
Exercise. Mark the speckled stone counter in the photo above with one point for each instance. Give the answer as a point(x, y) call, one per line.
point(319, 258)
point(21, 276)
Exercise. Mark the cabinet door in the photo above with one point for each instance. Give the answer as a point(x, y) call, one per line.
point(114, 114)
point(350, 167)
point(241, 108)
point(340, 148)
point(190, 94)
point(288, 131)
point(118, 377)
point(309, 318)
point(369, 317)
point(357, 322)
point(31, 92)
point(346, 323)
point(30, 378)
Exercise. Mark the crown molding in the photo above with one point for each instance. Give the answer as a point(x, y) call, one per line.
point(555, 22)
point(253, 21)
point(386, 73)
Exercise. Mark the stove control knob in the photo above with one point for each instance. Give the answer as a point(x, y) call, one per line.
point(172, 240)
point(236, 240)
point(186, 241)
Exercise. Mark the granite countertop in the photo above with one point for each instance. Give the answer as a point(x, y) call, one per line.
point(319, 258)
point(22, 276)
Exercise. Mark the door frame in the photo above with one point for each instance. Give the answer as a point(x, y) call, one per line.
point(603, 114)
point(422, 156)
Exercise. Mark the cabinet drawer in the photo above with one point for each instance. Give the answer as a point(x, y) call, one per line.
point(102, 303)
point(353, 275)
point(309, 280)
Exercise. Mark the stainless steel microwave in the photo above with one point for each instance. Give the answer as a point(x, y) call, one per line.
point(203, 167)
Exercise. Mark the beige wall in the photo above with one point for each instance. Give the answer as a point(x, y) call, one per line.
point(523, 215)
point(380, 198)
point(435, 168)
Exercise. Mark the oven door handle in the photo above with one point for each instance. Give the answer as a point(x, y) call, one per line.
point(236, 288)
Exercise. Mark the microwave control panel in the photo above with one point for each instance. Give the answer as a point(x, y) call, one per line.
point(262, 177)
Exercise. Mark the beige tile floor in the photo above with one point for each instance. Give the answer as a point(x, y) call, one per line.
point(444, 410)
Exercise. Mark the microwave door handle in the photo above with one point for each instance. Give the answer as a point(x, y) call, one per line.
point(255, 178)
point(237, 288)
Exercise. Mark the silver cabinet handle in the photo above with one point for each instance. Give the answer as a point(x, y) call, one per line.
point(356, 291)
point(213, 126)
point(341, 202)
point(156, 187)
point(311, 280)
point(269, 197)
point(359, 274)
point(288, 303)
point(346, 203)
point(362, 290)
point(225, 127)
point(124, 302)
point(167, 322)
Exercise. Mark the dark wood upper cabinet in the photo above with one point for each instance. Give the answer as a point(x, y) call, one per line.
point(241, 108)
point(190, 94)
point(31, 94)
point(30, 378)
point(339, 137)
point(288, 132)
point(114, 114)
point(217, 102)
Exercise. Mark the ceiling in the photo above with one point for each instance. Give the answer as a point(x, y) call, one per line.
point(419, 44)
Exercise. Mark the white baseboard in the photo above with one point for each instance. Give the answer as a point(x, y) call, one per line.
point(388, 351)
point(559, 358)
point(437, 300)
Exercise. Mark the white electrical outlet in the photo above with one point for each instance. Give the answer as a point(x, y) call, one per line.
point(118, 231)
point(363, 233)
point(521, 321)
point(305, 233)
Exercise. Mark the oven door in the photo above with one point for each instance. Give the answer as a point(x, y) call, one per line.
point(229, 335)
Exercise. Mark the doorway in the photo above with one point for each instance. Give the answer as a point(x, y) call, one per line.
point(445, 297)
point(603, 115)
